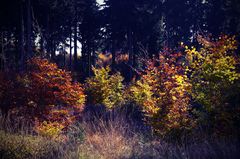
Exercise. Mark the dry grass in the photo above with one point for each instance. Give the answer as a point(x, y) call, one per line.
point(25, 146)
point(18, 140)
point(108, 139)
point(113, 137)
point(116, 138)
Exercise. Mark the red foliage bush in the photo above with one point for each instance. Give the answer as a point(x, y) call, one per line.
point(42, 93)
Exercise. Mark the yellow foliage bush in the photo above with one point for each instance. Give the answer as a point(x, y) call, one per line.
point(215, 80)
point(104, 88)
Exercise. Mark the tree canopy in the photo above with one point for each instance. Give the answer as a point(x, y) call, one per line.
point(72, 32)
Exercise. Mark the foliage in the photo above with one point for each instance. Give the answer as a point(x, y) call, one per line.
point(54, 93)
point(52, 130)
point(163, 93)
point(45, 93)
point(104, 60)
point(104, 88)
point(215, 79)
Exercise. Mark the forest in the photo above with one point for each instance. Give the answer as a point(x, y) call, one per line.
point(119, 79)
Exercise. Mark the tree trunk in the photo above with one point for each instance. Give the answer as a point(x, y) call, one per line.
point(70, 56)
point(64, 57)
point(22, 52)
point(42, 51)
point(130, 47)
point(2, 62)
point(89, 51)
point(48, 40)
point(53, 51)
point(113, 51)
point(75, 36)
point(75, 46)
point(29, 30)
point(84, 57)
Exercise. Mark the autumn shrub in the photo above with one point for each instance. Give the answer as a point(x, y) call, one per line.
point(44, 94)
point(52, 130)
point(104, 88)
point(163, 94)
point(215, 82)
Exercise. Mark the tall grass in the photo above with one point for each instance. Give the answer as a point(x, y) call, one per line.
point(111, 135)
point(114, 135)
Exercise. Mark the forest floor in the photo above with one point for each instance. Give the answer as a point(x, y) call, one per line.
point(115, 137)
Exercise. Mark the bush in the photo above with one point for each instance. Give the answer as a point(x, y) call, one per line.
point(163, 93)
point(52, 130)
point(44, 93)
point(104, 88)
point(216, 81)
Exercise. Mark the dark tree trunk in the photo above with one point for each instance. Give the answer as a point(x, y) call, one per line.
point(42, 47)
point(22, 52)
point(70, 56)
point(75, 46)
point(53, 51)
point(64, 57)
point(2, 62)
point(48, 40)
point(130, 46)
point(84, 57)
point(89, 51)
point(130, 51)
point(135, 50)
point(113, 51)
point(29, 30)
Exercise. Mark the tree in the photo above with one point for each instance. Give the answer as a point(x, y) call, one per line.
point(89, 29)
point(139, 25)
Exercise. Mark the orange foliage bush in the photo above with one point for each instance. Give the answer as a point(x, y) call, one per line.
point(44, 93)
point(55, 88)
point(163, 93)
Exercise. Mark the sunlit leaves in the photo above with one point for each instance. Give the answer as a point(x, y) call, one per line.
point(215, 77)
point(49, 129)
point(45, 94)
point(163, 93)
point(104, 88)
